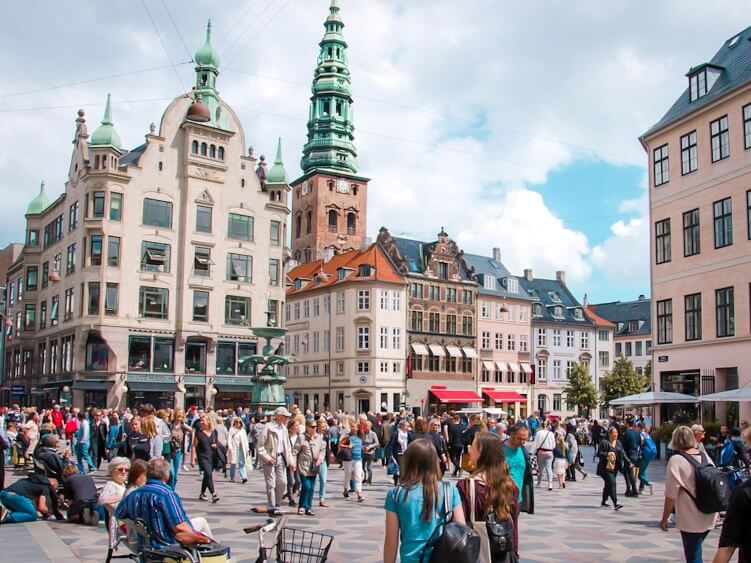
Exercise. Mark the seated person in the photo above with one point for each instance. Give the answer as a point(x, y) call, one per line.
point(136, 476)
point(26, 496)
point(162, 510)
point(114, 489)
point(82, 495)
point(47, 453)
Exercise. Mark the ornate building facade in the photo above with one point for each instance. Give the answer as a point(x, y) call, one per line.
point(141, 281)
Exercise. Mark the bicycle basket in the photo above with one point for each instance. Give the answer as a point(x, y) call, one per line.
point(301, 546)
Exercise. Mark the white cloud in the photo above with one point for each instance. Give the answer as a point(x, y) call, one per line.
point(624, 258)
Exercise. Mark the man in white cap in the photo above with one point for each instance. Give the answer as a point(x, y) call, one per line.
point(275, 453)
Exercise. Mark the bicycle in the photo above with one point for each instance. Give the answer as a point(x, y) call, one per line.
point(278, 544)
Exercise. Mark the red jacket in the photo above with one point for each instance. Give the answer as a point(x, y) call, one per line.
point(57, 418)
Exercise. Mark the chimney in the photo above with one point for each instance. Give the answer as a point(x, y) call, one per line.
point(560, 276)
point(528, 275)
point(641, 297)
point(496, 254)
point(328, 254)
point(586, 301)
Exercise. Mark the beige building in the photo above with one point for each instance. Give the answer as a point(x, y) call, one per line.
point(504, 329)
point(700, 211)
point(347, 333)
point(142, 280)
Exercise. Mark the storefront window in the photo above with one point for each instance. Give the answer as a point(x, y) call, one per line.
point(97, 353)
point(225, 358)
point(195, 357)
point(139, 353)
point(164, 354)
point(244, 367)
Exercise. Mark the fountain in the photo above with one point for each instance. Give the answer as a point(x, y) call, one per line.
point(268, 383)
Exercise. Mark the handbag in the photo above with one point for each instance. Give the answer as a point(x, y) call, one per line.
point(452, 541)
point(497, 536)
point(467, 464)
point(392, 468)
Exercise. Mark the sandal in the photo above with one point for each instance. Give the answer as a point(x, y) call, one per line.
point(323, 504)
point(300, 511)
point(310, 513)
point(360, 499)
point(346, 494)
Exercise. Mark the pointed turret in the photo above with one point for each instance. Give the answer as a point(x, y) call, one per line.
point(39, 203)
point(105, 135)
point(330, 129)
point(207, 71)
point(277, 174)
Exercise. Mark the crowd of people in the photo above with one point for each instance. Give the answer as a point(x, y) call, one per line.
point(494, 464)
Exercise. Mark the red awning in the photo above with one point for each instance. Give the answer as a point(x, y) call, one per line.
point(505, 396)
point(452, 396)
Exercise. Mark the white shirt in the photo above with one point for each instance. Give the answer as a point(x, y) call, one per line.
point(281, 431)
point(545, 440)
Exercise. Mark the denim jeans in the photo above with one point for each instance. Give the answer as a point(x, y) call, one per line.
point(323, 472)
point(692, 545)
point(240, 465)
point(83, 454)
point(306, 494)
point(176, 463)
point(643, 481)
point(20, 508)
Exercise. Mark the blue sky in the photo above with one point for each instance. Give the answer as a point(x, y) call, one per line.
point(512, 124)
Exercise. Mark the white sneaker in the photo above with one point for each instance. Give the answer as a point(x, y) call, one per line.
point(671, 520)
point(186, 468)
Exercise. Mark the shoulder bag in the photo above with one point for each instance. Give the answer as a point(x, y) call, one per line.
point(450, 540)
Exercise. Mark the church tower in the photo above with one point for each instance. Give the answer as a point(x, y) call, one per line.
point(329, 202)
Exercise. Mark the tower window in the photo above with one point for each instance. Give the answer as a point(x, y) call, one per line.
point(212, 151)
point(242, 182)
point(194, 147)
point(308, 222)
point(220, 153)
point(160, 166)
point(333, 221)
point(331, 186)
point(203, 149)
point(351, 223)
point(326, 107)
point(204, 79)
point(338, 108)
point(298, 223)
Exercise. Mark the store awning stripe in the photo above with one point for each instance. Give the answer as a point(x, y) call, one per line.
point(456, 396)
point(420, 349)
point(469, 352)
point(436, 350)
point(454, 351)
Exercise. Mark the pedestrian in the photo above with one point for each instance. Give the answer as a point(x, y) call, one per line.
point(455, 444)
point(353, 467)
point(180, 430)
point(490, 491)
point(149, 429)
point(680, 487)
point(83, 441)
point(275, 454)
point(237, 450)
point(370, 444)
point(308, 451)
point(631, 441)
point(115, 436)
point(323, 470)
point(137, 444)
point(99, 435)
point(414, 508)
point(560, 463)
point(544, 446)
point(735, 526)
point(204, 450)
point(136, 476)
point(576, 460)
point(647, 452)
point(611, 459)
point(439, 442)
point(520, 465)
point(293, 478)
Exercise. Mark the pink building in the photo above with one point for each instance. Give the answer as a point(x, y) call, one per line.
point(700, 213)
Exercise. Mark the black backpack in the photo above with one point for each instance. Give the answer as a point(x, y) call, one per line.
point(452, 541)
point(712, 487)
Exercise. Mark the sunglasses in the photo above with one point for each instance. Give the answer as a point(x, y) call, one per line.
point(122, 469)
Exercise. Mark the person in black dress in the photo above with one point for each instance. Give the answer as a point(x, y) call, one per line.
point(612, 460)
point(204, 450)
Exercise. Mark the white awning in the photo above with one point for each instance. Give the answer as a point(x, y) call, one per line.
point(500, 366)
point(454, 351)
point(525, 367)
point(420, 349)
point(513, 366)
point(490, 366)
point(469, 352)
point(436, 350)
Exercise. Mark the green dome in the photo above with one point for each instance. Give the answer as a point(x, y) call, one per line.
point(105, 135)
point(39, 203)
point(206, 55)
point(277, 174)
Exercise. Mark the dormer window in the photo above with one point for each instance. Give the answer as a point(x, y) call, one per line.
point(536, 310)
point(512, 285)
point(365, 271)
point(443, 271)
point(578, 314)
point(558, 312)
point(701, 80)
point(488, 282)
point(298, 284)
point(554, 297)
point(341, 274)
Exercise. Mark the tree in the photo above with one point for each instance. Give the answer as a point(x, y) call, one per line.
point(580, 390)
point(621, 381)
point(648, 372)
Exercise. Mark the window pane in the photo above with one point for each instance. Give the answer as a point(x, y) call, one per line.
point(195, 357)
point(225, 358)
point(110, 302)
point(94, 298)
point(240, 227)
point(139, 353)
point(164, 354)
point(201, 306)
point(113, 251)
point(153, 302)
point(116, 205)
point(157, 213)
point(155, 257)
point(98, 205)
point(203, 219)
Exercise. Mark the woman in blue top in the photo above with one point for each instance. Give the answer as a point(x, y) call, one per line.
point(415, 508)
point(353, 468)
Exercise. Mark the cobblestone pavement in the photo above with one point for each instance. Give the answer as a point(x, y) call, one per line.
point(568, 525)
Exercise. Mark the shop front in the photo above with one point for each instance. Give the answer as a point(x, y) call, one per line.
point(158, 392)
point(441, 399)
point(514, 404)
point(233, 392)
point(94, 391)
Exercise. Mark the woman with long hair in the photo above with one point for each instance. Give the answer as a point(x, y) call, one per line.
point(323, 470)
point(204, 448)
point(353, 468)
point(237, 450)
point(494, 490)
point(560, 465)
point(136, 476)
point(612, 458)
point(414, 508)
point(180, 430)
point(149, 429)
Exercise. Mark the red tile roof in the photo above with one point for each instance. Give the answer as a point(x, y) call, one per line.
point(382, 270)
point(597, 319)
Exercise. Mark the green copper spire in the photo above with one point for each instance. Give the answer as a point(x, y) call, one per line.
point(330, 128)
point(277, 174)
point(206, 55)
point(207, 70)
point(105, 135)
point(39, 203)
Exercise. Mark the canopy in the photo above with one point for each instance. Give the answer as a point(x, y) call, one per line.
point(743, 394)
point(653, 398)
point(420, 349)
point(504, 396)
point(456, 396)
point(513, 366)
point(469, 352)
point(436, 350)
point(454, 351)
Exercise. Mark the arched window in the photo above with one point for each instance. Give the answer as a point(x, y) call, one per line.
point(333, 221)
point(212, 151)
point(298, 221)
point(194, 147)
point(203, 149)
point(96, 162)
point(297, 255)
point(242, 182)
point(331, 186)
point(354, 190)
point(351, 223)
point(221, 153)
point(308, 222)
point(307, 255)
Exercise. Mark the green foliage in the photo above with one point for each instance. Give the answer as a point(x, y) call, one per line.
point(711, 429)
point(648, 372)
point(665, 433)
point(580, 390)
point(621, 381)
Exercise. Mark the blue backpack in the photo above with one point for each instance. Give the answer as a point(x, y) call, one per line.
point(727, 454)
point(648, 448)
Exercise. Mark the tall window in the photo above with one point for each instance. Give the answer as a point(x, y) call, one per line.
point(748, 214)
point(661, 165)
point(692, 307)
point(542, 370)
point(363, 299)
point(333, 221)
point(363, 337)
point(239, 268)
point(68, 304)
point(351, 223)
point(203, 218)
point(747, 126)
point(201, 306)
point(113, 251)
point(485, 340)
point(691, 233)
point(116, 206)
point(202, 261)
point(73, 216)
point(155, 257)
point(98, 205)
point(95, 253)
point(467, 325)
point(236, 310)
point(94, 298)
point(240, 227)
point(153, 302)
point(70, 264)
point(720, 137)
point(416, 320)
point(157, 213)
point(542, 337)
point(273, 271)
point(110, 299)
point(665, 321)
point(340, 339)
point(54, 309)
point(396, 338)
point(723, 223)
point(450, 324)
point(434, 322)
point(276, 233)
point(604, 358)
point(662, 241)
point(584, 340)
point(689, 162)
point(32, 275)
point(725, 310)
point(340, 300)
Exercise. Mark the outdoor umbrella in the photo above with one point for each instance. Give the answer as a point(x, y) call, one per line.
point(653, 398)
point(743, 394)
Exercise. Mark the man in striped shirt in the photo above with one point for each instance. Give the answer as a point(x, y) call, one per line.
point(162, 510)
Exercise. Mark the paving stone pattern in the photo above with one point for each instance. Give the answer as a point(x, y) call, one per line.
point(569, 525)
